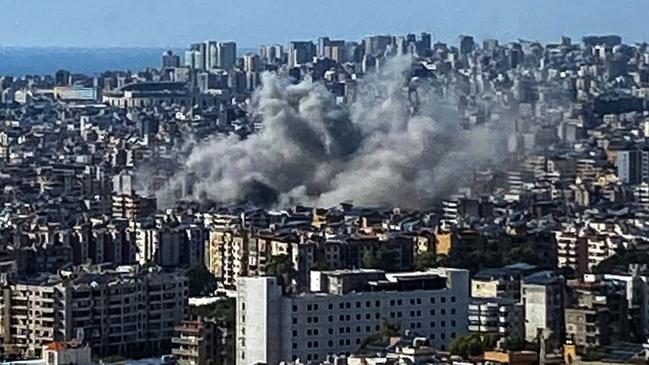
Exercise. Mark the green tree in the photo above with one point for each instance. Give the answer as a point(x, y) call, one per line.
point(470, 345)
point(426, 260)
point(380, 259)
point(280, 265)
point(201, 281)
point(370, 260)
point(517, 343)
point(521, 254)
point(223, 310)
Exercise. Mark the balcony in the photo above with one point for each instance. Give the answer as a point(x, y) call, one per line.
point(185, 340)
point(184, 352)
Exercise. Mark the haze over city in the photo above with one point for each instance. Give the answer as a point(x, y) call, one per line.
point(174, 23)
point(324, 182)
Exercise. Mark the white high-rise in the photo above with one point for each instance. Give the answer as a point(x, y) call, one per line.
point(342, 309)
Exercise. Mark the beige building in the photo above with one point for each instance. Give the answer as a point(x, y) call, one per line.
point(197, 343)
point(115, 310)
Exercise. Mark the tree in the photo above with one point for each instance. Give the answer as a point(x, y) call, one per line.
point(521, 254)
point(470, 345)
point(426, 260)
point(380, 259)
point(370, 260)
point(201, 281)
point(222, 310)
point(280, 265)
point(517, 343)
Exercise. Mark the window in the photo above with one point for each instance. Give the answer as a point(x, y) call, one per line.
point(432, 312)
point(358, 304)
point(377, 303)
point(432, 300)
point(443, 311)
point(443, 323)
point(294, 333)
point(453, 323)
point(453, 299)
point(294, 308)
point(443, 299)
point(294, 345)
point(452, 310)
point(331, 318)
point(432, 324)
point(331, 306)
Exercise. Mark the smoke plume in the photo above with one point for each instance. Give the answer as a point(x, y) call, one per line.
point(311, 150)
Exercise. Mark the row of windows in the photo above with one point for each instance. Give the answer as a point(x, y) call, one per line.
point(369, 328)
point(358, 340)
point(377, 303)
point(341, 330)
point(377, 315)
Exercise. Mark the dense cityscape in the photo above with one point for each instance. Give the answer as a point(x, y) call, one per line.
point(391, 200)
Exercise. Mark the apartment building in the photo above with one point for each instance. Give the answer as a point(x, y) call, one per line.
point(496, 317)
point(543, 295)
point(344, 307)
point(197, 343)
point(115, 310)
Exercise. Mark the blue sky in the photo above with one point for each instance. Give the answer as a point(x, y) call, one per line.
point(175, 23)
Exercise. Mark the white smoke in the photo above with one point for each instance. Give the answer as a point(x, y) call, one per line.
point(313, 151)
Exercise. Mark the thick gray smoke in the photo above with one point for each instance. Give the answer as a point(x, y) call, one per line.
point(374, 152)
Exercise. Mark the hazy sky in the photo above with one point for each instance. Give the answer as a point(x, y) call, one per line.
point(250, 22)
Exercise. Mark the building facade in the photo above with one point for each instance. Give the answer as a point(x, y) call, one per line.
point(342, 309)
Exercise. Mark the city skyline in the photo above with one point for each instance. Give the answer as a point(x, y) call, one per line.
point(73, 23)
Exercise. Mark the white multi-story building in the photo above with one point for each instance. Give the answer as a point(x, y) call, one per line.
point(342, 309)
point(542, 294)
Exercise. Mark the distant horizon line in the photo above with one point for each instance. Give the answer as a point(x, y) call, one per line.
point(435, 39)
